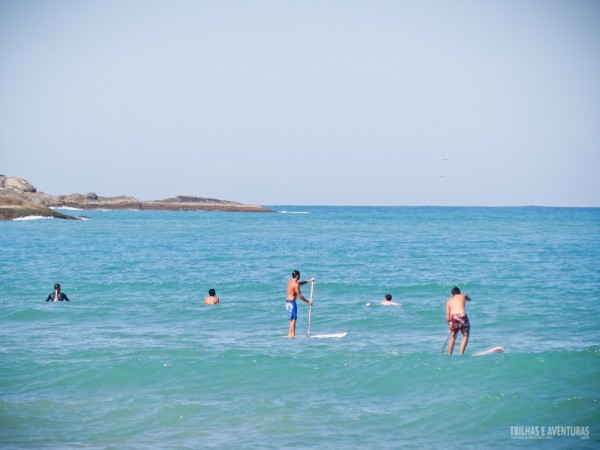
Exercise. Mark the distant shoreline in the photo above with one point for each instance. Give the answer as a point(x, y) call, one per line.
point(19, 198)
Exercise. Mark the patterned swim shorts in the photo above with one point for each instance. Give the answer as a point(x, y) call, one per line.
point(459, 322)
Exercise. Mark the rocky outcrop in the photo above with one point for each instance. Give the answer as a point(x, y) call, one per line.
point(19, 198)
point(92, 201)
point(15, 184)
point(191, 203)
point(14, 206)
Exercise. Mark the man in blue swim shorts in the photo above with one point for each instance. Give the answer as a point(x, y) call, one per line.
point(292, 309)
point(293, 292)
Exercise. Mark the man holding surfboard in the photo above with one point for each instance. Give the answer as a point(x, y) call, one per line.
point(457, 319)
point(293, 292)
point(57, 296)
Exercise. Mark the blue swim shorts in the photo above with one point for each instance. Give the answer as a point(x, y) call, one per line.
point(292, 309)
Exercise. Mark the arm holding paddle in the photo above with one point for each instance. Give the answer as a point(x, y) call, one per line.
point(299, 294)
point(302, 283)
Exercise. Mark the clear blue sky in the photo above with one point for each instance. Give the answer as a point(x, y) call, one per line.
point(305, 102)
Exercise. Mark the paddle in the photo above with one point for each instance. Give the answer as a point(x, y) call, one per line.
point(312, 286)
point(444, 347)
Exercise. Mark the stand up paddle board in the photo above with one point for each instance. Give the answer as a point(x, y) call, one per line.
point(319, 336)
point(489, 351)
point(325, 336)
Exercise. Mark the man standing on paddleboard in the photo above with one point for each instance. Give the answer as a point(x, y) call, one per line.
point(293, 292)
point(457, 319)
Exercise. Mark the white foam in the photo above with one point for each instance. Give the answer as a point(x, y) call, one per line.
point(33, 218)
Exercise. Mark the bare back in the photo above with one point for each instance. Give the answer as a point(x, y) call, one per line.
point(293, 289)
point(456, 305)
point(210, 300)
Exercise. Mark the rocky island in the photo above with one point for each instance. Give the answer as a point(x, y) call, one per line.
point(19, 198)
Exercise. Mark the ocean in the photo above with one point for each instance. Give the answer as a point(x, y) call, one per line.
point(135, 360)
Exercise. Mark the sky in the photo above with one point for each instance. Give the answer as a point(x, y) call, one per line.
point(305, 102)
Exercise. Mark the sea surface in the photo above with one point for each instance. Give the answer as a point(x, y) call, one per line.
point(136, 361)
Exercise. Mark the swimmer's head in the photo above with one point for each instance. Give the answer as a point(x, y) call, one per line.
point(211, 292)
point(455, 291)
point(388, 297)
point(296, 274)
point(57, 287)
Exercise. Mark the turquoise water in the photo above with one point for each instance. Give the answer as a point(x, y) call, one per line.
point(135, 360)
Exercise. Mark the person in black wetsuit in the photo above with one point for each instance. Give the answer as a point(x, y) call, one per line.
point(57, 296)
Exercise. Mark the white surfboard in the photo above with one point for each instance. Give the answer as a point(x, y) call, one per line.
point(489, 351)
point(331, 335)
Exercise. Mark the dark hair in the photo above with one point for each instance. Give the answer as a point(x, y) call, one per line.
point(455, 291)
point(57, 286)
point(296, 274)
point(211, 292)
point(388, 297)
